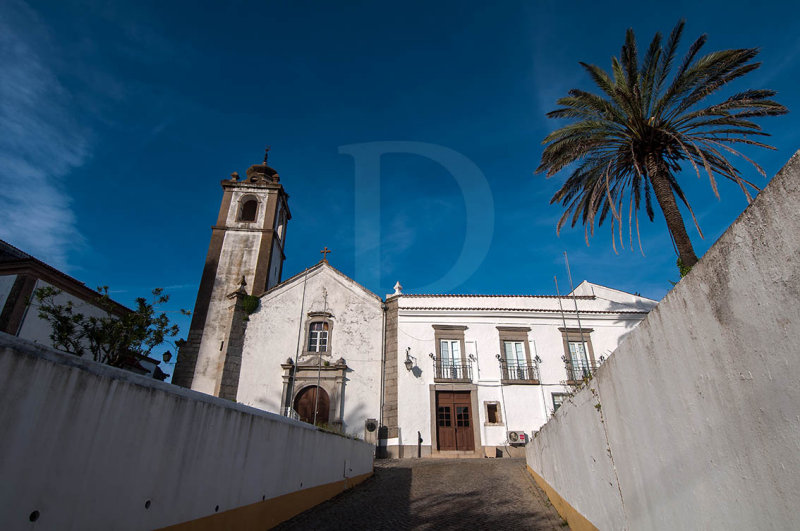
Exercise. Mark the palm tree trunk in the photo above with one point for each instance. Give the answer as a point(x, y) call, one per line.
point(669, 207)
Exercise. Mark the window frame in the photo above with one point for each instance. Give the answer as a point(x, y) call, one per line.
point(318, 317)
point(450, 333)
point(564, 397)
point(573, 335)
point(451, 356)
point(486, 405)
point(315, 336)
point(515, 334)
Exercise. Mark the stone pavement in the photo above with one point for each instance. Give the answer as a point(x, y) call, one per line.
point(438, 494)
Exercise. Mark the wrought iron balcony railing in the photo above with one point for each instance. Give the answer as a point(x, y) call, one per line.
point(447, 371)
point(578, 370)
point(519, 371)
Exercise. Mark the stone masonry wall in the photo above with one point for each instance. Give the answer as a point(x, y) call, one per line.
point(390, 429)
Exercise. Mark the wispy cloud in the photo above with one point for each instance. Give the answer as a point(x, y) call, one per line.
point(40, 142)
point(789, 60)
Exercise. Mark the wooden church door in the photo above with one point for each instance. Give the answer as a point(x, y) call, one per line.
point(307, 399)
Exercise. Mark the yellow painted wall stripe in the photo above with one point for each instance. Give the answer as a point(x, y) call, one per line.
point(269, 513)
point(576, 521)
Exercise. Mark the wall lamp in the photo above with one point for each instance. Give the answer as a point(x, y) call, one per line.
point(409, 363)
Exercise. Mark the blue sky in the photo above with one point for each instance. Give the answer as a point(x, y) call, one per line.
point(120, 119)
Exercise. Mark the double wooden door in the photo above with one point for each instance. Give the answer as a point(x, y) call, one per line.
point(308, 400)
point(454, 429)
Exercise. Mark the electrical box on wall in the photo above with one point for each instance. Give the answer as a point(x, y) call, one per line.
point(371, 431)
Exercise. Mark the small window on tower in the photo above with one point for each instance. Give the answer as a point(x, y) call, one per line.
point(249, 209)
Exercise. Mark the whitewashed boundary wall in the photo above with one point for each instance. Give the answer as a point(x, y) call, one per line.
point(694, 421)
point(87, 446)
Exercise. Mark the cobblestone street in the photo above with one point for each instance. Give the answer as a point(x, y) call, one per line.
point(438, 494)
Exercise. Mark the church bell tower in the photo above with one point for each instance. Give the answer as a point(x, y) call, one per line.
point(245, 257)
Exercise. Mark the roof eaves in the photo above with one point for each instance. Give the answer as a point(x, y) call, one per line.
point(466, 296)
point(28, 260)
point(315, 267)
point(532, 310)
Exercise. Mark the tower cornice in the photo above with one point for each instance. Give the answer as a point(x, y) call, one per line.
point(244, 185)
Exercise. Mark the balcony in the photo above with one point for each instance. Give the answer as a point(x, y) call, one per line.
point(519, 373)
point(579, 370)
point(453, 372)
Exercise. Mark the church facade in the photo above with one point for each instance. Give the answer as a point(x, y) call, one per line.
point(418, 375)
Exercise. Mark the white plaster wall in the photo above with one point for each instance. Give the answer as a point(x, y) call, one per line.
point(573, 445)
point(38, 330)
point(6, 283)
point(275, 266)
point(86, 445)
point(238, 258)
point(700, 404)
point(272, 337)
point(525, 407)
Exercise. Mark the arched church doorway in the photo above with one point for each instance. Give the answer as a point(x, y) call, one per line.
point(307, 399)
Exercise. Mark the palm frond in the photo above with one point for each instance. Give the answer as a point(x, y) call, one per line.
point(627, 143)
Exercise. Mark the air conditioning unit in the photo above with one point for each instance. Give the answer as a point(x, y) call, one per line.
point(517, 438)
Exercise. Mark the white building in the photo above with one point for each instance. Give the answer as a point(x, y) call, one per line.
point(417, 374)
point(482, 366)
point(21, 275)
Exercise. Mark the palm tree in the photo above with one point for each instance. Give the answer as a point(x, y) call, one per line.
point(640, 131)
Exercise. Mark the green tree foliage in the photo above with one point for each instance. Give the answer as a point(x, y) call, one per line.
point(116, 339)
point(635, 135)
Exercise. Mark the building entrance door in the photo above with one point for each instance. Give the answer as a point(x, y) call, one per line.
point(310, 398)
point(454, 421)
